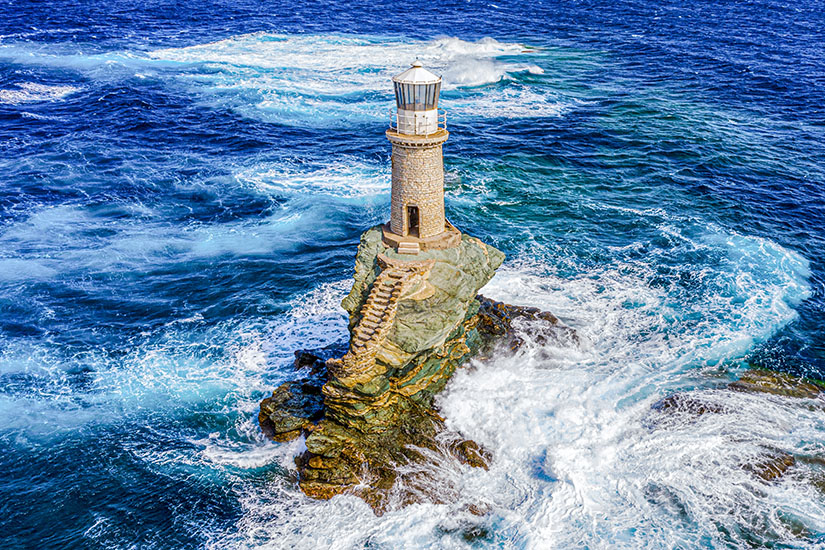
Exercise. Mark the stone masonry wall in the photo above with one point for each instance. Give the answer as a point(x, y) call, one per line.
point(417, 180)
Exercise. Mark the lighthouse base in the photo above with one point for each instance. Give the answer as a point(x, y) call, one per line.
point(449, 238)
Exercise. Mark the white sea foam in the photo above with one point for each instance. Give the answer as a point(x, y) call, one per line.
point(312, 79)
point(30, 92)
point(128, 246)
point(346, 177)
point(512, 102)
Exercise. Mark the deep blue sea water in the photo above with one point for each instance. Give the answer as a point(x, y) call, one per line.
point(182, 189)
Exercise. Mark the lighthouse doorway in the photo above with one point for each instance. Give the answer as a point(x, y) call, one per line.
point(412, 220)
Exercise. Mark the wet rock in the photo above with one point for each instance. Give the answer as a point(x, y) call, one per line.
point(504, 324)
point(315, 365)
point(818, 481)
point(295, 407)
point(381, 468)
point(771, 466)
point(684, 402)
point(471, 453)
point(292, 410)
point(479, 509)
point(469, 532)
point(776, 383)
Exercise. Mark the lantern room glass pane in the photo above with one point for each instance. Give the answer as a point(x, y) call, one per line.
point(398, 101)
point(430, 96)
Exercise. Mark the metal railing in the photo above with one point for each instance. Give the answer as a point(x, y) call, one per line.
point(421, 125)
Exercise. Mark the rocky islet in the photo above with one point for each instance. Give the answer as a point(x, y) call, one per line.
point(368, 416)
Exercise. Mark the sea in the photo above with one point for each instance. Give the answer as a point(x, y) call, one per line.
point(182, 190)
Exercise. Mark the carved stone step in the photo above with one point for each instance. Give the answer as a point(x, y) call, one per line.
point(409, 248)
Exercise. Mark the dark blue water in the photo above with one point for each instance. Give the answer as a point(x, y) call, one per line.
point(184, 186)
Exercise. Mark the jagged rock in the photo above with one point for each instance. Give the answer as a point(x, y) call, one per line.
point(471, 453)
point(371, 429)
point(818, 481)
point(341, 459)
point(306, 360)
point(295, 407)
point(498, 322)
point(479, 509)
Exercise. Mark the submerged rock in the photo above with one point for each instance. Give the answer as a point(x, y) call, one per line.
point(776, 383)
point(772, 464)
point(368, 418)
point(684, 402)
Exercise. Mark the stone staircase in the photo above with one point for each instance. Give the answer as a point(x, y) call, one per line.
point(377, 317)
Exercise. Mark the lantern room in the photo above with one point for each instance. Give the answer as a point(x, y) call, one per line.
point(416, 96)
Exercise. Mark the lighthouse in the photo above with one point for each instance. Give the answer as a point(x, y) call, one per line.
point(417, 131)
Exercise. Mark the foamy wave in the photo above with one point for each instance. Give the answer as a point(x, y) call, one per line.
point(175, 368)
point(322, 80)
point(576, 437)
point(513, 102)
point(338, 65)
point(30, 92)
point(345, 178)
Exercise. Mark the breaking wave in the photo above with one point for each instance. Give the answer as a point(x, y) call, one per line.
point(32, 92)
point(322, 80)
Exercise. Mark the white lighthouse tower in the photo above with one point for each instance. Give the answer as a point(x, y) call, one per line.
point(417, 132)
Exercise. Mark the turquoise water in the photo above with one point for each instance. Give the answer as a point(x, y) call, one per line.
point(182, 196)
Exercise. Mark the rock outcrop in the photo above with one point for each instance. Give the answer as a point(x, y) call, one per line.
point(368, 418)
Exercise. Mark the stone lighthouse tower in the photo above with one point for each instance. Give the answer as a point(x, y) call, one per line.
point(417, 132)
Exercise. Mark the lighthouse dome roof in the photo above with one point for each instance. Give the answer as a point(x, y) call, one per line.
point(416, 74)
